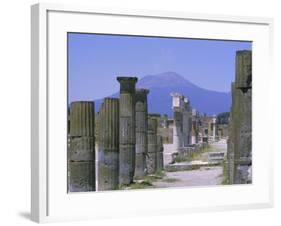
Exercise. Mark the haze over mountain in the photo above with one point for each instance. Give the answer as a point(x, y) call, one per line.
point(162, 85)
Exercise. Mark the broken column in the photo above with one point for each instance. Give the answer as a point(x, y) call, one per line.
point(194, 129)
point(81, 156)
point(141, 132)
point(152, 145)
point(108, 145)
point(159, 155)
point(240, 141)
point(127, 129)
point(177, 129)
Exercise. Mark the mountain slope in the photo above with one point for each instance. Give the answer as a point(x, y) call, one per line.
point(160, 101)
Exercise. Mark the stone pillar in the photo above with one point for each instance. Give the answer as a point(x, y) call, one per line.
point(108, 145)
point(194, 130)
point(159, 157)
point(81, 156)
point(186, 123)
point(178, 118)
point(240, 133)
point(152, 145)
point(127, 129)
point(214, 127)
point(141, 132)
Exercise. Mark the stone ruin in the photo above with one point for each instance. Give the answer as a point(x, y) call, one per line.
point(81, 154)
point(127, 136)
point(120, 145)
point(188, 131)
point(240, 129)
point(108, 145)
point(123, 142)
point(141, 132)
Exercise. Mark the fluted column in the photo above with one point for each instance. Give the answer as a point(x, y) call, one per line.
point(81, 154)
point(152, 145)
point(159, 155)
point(108, 145)
point(127, 129)
point(141, 132)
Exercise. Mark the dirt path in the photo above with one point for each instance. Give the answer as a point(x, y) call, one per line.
point(199, 177)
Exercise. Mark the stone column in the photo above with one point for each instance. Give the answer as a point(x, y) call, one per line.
point(81, 156)
point(186, 123)
point(178, 118)
point(141, 132)
point(152, 145)
point(240, 132)
point(194, 131)
point(108, 145)
point(243, 118)
point(230, 141)
point(159, 157)
point(214, 127)
point(127, 138)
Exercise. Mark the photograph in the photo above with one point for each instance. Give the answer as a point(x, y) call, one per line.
point(151, 112)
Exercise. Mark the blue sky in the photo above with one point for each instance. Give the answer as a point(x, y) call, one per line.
point(95, 60)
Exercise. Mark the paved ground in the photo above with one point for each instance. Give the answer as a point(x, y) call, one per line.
point(203, 176)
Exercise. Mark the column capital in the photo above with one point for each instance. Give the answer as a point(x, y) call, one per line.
point(141, 94)
point(127, 84)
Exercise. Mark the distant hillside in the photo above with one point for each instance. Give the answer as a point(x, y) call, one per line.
point(160, 101)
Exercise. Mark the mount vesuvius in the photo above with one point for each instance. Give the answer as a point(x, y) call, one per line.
point(162, 85)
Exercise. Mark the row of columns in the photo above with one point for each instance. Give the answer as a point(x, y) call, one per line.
point(127, 142)
point(189, 127)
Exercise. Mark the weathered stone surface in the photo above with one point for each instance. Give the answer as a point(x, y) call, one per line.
point(240, 129)
point(108, 145)
point(152, 145)
point(127, 129)
point(178, 105)
point(141, 132)
point(81, 148)
point(177, 130)
point(82, 114)
point(82, 176)
point(159, 157)
point(243, 78)
point(186, 123)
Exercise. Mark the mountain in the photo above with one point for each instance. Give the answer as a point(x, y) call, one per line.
point(162, 85)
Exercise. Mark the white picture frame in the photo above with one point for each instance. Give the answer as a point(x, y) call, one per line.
point(49, 198)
